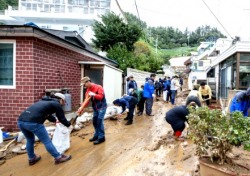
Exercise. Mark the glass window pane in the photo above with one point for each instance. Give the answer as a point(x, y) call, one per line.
point(245, 57)
point(245, 76)
point(200, 63)
point(6, 64)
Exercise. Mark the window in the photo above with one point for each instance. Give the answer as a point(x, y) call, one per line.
point(244, 57)
point(200, 63)
point(7, 64)
point(65, 28)
point(244, 75)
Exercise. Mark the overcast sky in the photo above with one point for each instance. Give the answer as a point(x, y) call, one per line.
point(233, 14)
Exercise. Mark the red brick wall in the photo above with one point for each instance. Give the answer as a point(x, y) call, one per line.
point(40, 65)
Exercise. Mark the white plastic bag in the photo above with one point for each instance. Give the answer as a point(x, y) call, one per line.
point(164, 95)
point(61, 138)
point(1, 136)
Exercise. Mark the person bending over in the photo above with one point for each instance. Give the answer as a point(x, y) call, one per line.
point(31, 122)
point(176, 117)
point(128, 104)
point(241, 102)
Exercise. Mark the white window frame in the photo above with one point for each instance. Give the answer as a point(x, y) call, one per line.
point(14, 64)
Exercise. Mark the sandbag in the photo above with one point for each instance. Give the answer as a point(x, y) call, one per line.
point(164, 95)
point(1, 136)
point(61, 138)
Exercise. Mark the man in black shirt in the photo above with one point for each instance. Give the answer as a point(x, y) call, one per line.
point(31, 122)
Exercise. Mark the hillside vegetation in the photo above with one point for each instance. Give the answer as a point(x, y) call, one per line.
point(178, 52)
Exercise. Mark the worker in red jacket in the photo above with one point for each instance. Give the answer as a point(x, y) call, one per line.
point(95, 94)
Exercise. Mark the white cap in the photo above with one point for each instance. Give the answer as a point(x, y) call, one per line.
point(60, 95)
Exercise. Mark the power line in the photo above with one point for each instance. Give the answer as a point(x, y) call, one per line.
point(121, 11)
point(138, 13)
point(217, 19)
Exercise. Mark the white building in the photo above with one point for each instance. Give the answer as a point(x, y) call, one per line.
point(201, 63)
point(67, 15)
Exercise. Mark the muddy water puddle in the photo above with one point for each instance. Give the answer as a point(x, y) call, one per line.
point(144, 148)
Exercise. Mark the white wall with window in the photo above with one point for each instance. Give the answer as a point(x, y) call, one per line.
point(7, 64)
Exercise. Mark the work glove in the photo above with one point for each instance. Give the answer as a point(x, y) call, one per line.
point(127, 110)
point(153, 95)
point(70, 128)
point(92, 94)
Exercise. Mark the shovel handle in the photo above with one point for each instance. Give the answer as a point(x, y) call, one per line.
point(6, 147)
point(74, 120)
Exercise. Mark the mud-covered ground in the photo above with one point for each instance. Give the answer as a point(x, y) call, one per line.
point(144, 148)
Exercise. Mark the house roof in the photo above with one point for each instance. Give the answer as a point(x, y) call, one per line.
point(178, 61)
point(188, 62)
point(240, 46)
point(64, 39)
point(71, 36)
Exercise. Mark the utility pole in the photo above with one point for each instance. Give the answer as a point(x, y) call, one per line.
point(150, 35)
point(188, 36)
point(125, 19)
point(156, 44)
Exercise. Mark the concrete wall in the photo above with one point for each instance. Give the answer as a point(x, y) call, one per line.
point(139, 76)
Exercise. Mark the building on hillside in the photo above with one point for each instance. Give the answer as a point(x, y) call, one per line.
point(232, 68)
point(197, 66)
point(33, 60)
point(177, 64)
point(168, 71)
point(67, 15)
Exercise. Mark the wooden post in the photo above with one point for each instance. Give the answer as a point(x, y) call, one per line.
point(238, 71)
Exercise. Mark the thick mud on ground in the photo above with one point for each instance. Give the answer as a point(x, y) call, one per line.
point(144, 148)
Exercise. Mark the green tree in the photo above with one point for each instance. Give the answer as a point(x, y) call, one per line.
point(4, 3)
point(112, 30)
point(142, 58)
point(122, 56)
point(132, 19)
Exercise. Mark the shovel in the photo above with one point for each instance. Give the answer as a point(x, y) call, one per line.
point(6, 147)
point(73, 121)
point(206, 99)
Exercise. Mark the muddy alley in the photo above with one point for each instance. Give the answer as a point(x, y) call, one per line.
point(143, 148)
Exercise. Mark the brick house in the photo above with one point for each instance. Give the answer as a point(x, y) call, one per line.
point(32, 60)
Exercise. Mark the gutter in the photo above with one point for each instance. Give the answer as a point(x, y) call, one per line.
point(99, 63)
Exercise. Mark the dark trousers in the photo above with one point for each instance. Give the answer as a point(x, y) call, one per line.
point(205, 97)
point(141, 104)
point(158, 93)
point(193, 99)
point(168, 96)
point(149, 105)
point(173, 96)
point(98, 122)
point(132, 104)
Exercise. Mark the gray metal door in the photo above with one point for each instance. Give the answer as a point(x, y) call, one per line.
point(96, 75)
point(226, 78)
point(223, 83)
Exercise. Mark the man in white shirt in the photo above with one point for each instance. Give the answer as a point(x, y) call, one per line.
point(194, 96)
point(173, 87)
